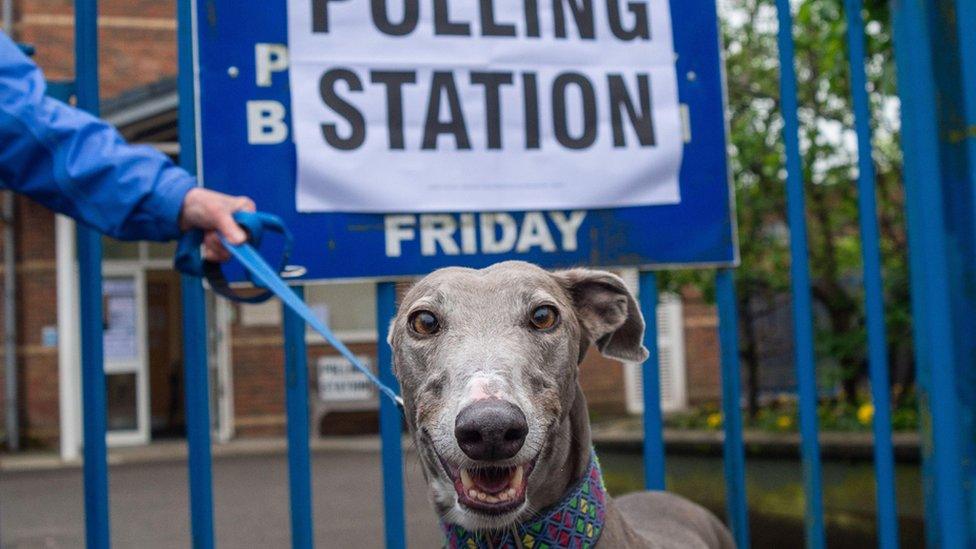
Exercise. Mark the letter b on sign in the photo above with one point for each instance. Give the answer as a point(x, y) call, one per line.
point(266, 123)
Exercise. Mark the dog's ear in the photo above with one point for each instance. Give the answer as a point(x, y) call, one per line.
point(608, 313)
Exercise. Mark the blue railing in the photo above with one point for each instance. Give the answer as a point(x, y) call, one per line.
point(884, 461)
point(950, 505)
point(806, 376)
point(89, 245)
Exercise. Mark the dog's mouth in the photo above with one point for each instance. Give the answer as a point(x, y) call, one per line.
point(488, 489)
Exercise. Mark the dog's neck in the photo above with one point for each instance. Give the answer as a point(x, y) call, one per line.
point(568, 455)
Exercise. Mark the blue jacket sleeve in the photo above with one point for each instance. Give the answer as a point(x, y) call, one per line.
point(79, 165)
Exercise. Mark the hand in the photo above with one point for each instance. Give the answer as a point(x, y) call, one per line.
point(213, 212)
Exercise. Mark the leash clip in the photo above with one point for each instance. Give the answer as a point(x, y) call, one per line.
point(256, 224)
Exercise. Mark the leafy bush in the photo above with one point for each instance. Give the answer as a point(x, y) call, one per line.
point(782, 415)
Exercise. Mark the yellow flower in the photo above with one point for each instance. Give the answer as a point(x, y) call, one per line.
point(865, 414)
point(784, 422)
point(714, 420)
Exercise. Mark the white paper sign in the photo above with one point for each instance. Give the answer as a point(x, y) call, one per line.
point(340, 381)
point(120, 336)
point(438, 105)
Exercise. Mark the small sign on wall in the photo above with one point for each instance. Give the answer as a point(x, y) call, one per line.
point(49, 336)
point(339, 381)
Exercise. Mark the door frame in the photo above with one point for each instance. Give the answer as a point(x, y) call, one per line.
point(222, 374)
point(69, 365)
point(139, 366)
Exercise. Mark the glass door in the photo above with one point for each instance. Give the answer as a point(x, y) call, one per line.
point(124, 336)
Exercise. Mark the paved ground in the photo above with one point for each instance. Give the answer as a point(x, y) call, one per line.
point(43, 508)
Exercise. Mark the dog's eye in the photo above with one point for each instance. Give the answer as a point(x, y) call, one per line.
point(544, 317)
point(424, 323)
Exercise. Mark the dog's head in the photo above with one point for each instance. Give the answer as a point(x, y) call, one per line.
point(487, 362)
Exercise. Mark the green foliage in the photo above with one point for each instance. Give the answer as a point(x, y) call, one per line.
point(783, 416)
point(829, 151)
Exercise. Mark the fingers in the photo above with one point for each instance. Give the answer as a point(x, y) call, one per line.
point(225, 224)
point(224, 221)
point(213, 248)
point(245, 204)
point(208, 210)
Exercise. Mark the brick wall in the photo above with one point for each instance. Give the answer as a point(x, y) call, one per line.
point(36, 308)
point(137, 40)
point(702, 355)
point(258, 369)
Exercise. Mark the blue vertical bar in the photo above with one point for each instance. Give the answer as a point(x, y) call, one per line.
point(89, 245)
point(391, 430)
point(966, 18)
point(966, 31)
point(93, 389)
point(197, 384)
point(650, 373)
point(884, 462)
point(734, 451)
point(800, 281)
point(296, 405)
point(197, 399)
point(931, 275)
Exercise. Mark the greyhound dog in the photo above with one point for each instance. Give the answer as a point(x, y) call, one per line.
point(487, 362)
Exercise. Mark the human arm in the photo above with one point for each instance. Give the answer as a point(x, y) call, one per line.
point(79, 165)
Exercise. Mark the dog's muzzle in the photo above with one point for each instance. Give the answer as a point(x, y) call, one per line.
point(491, 429)
point(490, 432)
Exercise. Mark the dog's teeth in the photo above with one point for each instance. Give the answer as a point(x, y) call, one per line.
point(466, 479)
point(504, 495)
point(517, 477)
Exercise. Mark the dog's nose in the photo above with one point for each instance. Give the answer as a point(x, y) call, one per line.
point(490, 429)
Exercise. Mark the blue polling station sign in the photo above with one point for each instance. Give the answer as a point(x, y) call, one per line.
point(382, 194)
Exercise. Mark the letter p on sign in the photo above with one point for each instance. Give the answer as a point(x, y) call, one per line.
point(268, 59)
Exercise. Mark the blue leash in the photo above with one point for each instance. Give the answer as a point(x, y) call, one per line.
point(263, 276)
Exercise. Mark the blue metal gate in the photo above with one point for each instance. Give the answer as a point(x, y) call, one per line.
point(936, 57)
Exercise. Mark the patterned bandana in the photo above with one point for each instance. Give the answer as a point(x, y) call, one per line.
point(575, 522)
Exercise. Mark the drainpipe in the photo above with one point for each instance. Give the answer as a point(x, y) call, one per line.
point(10, 293)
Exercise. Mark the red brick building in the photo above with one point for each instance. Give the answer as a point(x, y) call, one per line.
point(142, 294)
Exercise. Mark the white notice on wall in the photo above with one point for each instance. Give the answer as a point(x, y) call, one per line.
point(340, 381)
point(120, 334)
point(419, 105)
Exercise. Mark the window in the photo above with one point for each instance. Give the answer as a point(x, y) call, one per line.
point(348, 308)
